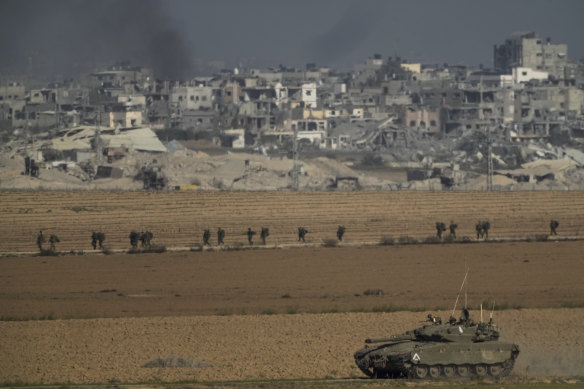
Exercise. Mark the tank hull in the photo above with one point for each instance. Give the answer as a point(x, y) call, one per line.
point(428, 360)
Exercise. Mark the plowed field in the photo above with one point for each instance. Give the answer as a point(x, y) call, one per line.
point(155, 301)
point(286, 313)
point(178, 219)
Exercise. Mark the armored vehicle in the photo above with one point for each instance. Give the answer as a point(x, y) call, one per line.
point(456, 349)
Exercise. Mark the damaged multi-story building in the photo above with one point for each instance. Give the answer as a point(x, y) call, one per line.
point(533, 92)
point(530, 51)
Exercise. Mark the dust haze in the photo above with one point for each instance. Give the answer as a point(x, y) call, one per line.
point(539, 362)
point(347, 34)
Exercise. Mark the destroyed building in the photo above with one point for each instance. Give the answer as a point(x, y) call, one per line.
point(434, 118)
point(529, 51)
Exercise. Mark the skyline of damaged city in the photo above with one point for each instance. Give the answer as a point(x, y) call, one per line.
point(180, 39)
point(236, 193)
point(432, 125)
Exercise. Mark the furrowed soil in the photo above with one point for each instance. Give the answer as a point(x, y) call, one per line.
point(279, 313)
point(123, 311)
point(178, 219)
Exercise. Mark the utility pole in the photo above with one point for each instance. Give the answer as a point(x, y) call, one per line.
point(489, 160)
point(481, 116)
point(57, 122)
point(489, 140)
point(295, 168)
point(97, 137)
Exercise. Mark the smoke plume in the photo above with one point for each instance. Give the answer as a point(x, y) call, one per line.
point(72, 36)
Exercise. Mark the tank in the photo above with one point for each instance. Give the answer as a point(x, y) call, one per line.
point(456, 349)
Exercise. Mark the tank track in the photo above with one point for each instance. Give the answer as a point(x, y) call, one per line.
point(363, 364)
point(448, 371)
point(496, 370)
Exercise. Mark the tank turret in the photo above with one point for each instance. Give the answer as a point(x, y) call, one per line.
point(458, 348)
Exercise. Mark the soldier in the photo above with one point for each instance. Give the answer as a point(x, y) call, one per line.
point(340, 232)
point(434, 319)
point(486, 227)
point(453, 228)
point(220, 236)
point(142, 239)
point(206, 236)
point(134, 236)
point(264, 234)
point(440, 227)
point(100, 238)
point(149, 237)
point(302, 233)
point(94, 240)
point(553, 225)
point(250, 234)
point(479, 229)
point(40, 240)
point(52, 240)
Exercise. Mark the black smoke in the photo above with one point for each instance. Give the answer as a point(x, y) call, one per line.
point(351, 31)
point(67, 37)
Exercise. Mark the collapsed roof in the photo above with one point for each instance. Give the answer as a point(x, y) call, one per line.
point(138, 139)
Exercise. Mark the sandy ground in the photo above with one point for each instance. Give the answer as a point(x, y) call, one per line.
point(252, 346)
point(157, 306)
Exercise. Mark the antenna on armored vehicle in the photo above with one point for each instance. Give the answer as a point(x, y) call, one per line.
point(492, 310)
point(460, 291)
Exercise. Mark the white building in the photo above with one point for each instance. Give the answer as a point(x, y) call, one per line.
point(521, 75)
point(234, 138)
point(309, 95)
point(315, 137)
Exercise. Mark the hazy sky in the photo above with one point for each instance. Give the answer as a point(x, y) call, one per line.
point(338, 32)
point(170, 35)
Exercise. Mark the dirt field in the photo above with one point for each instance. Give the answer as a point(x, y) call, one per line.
point(154, 303)
point(252, 347)
point(178, 219)
point(314, 280)
point(281, 313)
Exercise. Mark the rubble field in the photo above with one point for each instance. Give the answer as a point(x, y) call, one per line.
point(177, 219)
point(225, 170)
point(275, 314)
